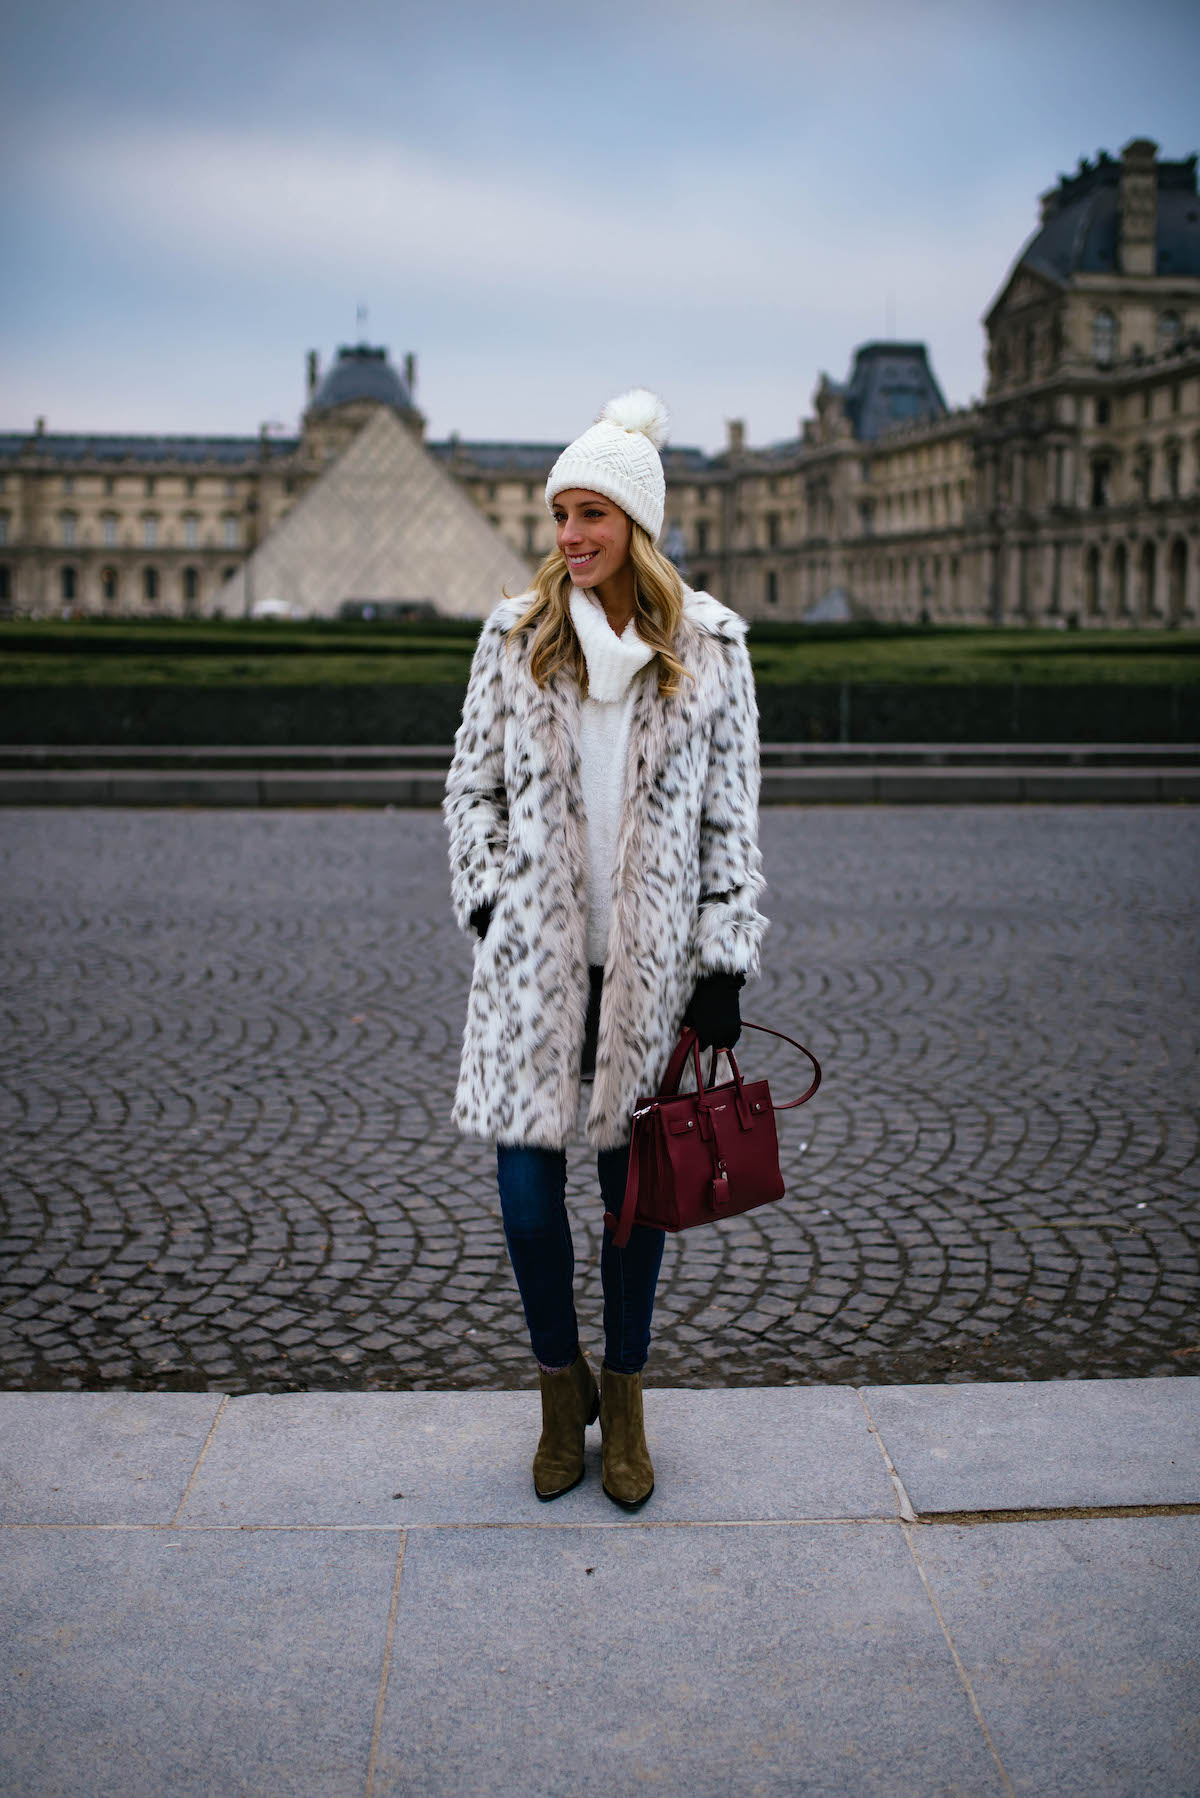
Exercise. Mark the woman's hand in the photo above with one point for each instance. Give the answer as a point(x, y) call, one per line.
point(481, 917)
point(714, 1012)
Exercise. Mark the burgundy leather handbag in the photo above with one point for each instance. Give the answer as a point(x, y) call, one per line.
point(698, 1156)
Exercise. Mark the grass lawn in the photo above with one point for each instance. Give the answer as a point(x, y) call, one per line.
point(233, 654)
point(962, 657)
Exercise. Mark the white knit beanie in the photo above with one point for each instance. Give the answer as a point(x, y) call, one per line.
point(618, 457)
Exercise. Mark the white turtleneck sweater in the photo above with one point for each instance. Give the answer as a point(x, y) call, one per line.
point(612, 662)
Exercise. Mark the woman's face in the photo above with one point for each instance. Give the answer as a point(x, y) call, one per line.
point(593, 534)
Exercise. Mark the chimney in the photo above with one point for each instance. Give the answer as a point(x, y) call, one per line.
point(1139, 207)
point(314, 372)
point(736, 428)
point(410, 375)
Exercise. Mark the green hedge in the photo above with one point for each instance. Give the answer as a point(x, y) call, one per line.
point(380, 713)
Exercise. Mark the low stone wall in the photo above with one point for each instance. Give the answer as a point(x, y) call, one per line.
point(378, 713)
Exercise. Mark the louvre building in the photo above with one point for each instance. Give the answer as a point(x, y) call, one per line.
point(1069, 494)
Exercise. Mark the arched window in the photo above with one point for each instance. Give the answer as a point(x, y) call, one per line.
point(772, 587)
point(69, 525)
point(1168, 330)
point(1173, 462)
point(1104, 336)
point(1091, 583)
point(5, 585)
point(1101, 473)
point(150, 585)
point(1149, 574)
point(191, 589)
point(1177, 582)
point(68, 585)
point(109, 586)
point(1121, 581)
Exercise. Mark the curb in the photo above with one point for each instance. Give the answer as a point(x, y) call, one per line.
point(423, 789)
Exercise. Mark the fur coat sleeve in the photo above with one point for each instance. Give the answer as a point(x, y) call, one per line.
point(729, 928)
point(476, 804)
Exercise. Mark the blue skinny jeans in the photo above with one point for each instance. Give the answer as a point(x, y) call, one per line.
point(533, 1185)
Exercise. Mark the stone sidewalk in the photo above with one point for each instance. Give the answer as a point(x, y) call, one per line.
point(893, 1590)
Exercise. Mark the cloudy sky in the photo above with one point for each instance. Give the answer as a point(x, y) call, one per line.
point(547, 202)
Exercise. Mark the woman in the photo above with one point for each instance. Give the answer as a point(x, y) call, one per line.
point(602, 806)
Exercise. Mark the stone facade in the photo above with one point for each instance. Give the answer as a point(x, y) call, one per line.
point(1069, 494)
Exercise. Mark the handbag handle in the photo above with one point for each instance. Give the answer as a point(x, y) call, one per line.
point(689, 1044)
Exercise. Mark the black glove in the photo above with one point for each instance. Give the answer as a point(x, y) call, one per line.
point(714, 1012)
point(481, 917)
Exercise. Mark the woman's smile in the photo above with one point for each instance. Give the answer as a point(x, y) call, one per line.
point(593, 534)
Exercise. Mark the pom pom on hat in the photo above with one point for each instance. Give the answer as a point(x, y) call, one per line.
point(618, 457)
point(639, 410)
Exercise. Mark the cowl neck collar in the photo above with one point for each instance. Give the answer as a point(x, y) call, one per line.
point(612, 661)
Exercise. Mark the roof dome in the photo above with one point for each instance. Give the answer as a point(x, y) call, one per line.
point(361, 372)
point(1081, 222)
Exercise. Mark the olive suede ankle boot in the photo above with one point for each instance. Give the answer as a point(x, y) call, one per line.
point(570, 1401)
point(627, 1471)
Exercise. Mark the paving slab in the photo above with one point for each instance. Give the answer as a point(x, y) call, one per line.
point(143, 1663)
point(438, 1457)
point(99, 1457)
point(761, 1662)
point(1042, 1444)
point(1080, 1642)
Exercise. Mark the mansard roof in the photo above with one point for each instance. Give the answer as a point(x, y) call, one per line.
point(890, 385)
point(1081, 222)
point(530, 460)
point(95, 446)
point(361, 372)
point(533, 461)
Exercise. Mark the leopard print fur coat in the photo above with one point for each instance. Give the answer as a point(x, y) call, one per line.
point(686, 878)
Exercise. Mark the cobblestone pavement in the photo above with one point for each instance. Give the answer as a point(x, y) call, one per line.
point(230, 1043)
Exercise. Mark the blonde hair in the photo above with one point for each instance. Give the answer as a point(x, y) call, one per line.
point(657, 610)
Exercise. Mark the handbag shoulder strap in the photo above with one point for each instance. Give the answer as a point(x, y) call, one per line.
point(621, 1227)
point(805, 1096)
